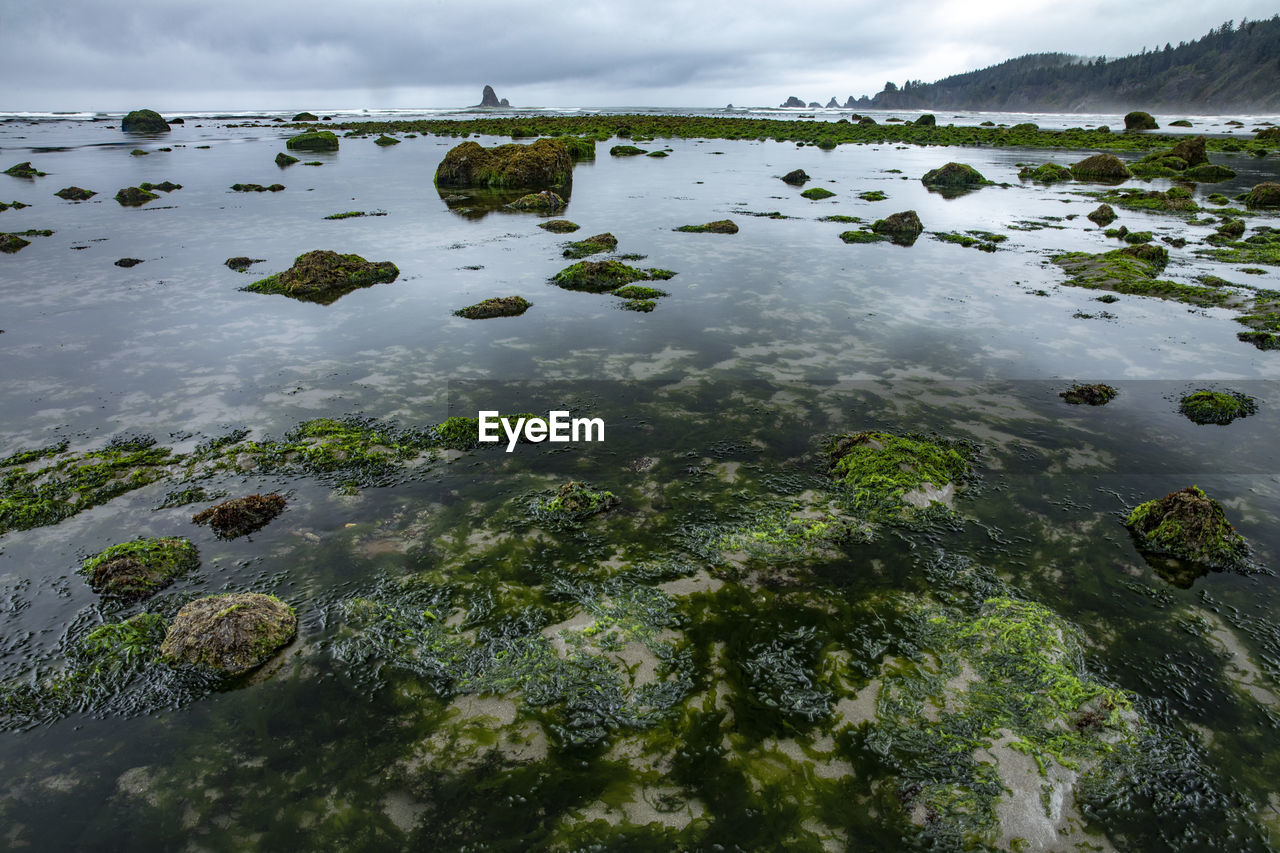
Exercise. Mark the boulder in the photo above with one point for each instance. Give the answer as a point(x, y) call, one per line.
point(241, 263)
point(10, 243)
point(313, 140)
point(283, 159)
point(1138, 120)
point(75, 194)
point(24, 170)
point(1101, 167)
point(926, 120)
point(241, 516)
point(144, 121)
point(135, 570)
point(542, 164)
point(792, 102)
point(1266, 194)
point(954, 176)
point(1188, 525)
point(1103, 215)
point(1091, 395)
point(134, 196)
point(305, 117)
point(559, 226)
point(128, 263)
point(498, 306)
point(796, 177)
point(324, 276)
point(230, 634)
point(902, 228)
point(545, 202)
point(489, 98)
point(605, 242)
point(1191, 150)
point(1216, 407)
point(720, 226)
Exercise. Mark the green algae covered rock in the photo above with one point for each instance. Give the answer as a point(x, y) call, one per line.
point(626, 151)
point(1188, 525)
point(75, 194)
point(1138, 120)
point(1101, 167)
point(575, 501)
point(324, 276)
point(954, 176)
point(862, 237)
point(543, 164)
point(283, 160)
point(241, 516)
point(559, 226)
point(926, 120)
point(304, 116)
point(313, 140)
point(10, 243)
point(1216, 407)
point(230, 634)
point(544, 202)
point(603, 276)
point(888, 474)
point(796, 177)
point(24, 170)
point(1209, 173)
point(135, 196)
point(720, 226)
point(1096, 394)
point(1266, 194)
point(498, 306)
point(1103, 215)
point(385, 140)
point(1047, 173)
point(144, 121)
point(256, 188)
point(902, 228)
point(817, 193)
point(134, 570)
point(605, 242)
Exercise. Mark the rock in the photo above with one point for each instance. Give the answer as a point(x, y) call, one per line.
point(75, 194)
point(603, 276)
point(230, 634)
point(1191, 150)
point(242, 263)
point(256, 188)
point(10, 243)
point(817, 193)
point(24, 170)
point(791, 102)
point(626, 151)
point(489, 98)
point(135, 570)
point(128, 263)
point(1188, 525)
point(862, 237)
point(542, 164)
point(504, 103)
point(177, 121)
point(889, 475)
point(241, 516)
point(545, 201)
point(324, 276)
point(305, 117)
point(1103, 215)
point(559, 226)
point(134, 196)
point(283, 159)
point(163, 186)
point(1101, 167)
point(1266, 194)
point(605, 242)
point(866, 120)
point(1233, 228)
point(1268, 134)
point(498, 306)
point(1092, 395)
point(1182, 122)
point(1216, 407)
point(144, 121)
point(814, 105)
point(926, 120)
point(954, 176)
point(796, 178)
point(902, 228)
point(577, 500)
point(1047, 173)
point(313, 140)
point(1209, 173)
point(385, 140)
point(1138, 120)
point(832, 104)
point(720, 226)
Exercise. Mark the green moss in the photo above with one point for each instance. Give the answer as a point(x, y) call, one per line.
point(626, 151)
point(953, 177)
point(603, 276)
point(500, 306)
point(24, 170)
point(559, 226)
point(580, 147)
point(985, 241)
point(872, 195)
point(639, 291)
point(1046, 173)
point(324, 276)
point(861, 237)
point(840, 217)
point(134, 196)
point(137, 638)
point(283, 160)
point(138, 569)
point(385, 140)
point(1176, 200)
point(592, 245)
point(1133, 270)
point(1188, 525)
point(313, 140)
point(817, 193)
point(574, 500)
point(1216, 407)
point(352, 214)
point(720, 226)
point(1209, 173)
point(643, 306)
point(1261, 247)
point(880, 468)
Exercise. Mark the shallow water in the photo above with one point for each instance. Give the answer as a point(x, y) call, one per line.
point(716, 406)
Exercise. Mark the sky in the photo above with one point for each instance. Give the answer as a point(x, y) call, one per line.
point(174, 55)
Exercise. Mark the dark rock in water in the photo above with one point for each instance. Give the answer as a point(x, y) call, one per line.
point(257, 188)
point(1092, 395)
point(385, 140)
point(498, 306)
point(1216, 407)
point(177, 121)
point(1268, 134)
point(544, 202)
point(926, 120)
point(1101, 167)
point(605, 242)
point(902, 228)
point(832, 104)
point(1138, 120)
point(128, 263)
point(75, 194)
point(817, 193)
point(1209, 173)
point(1266, 194)
point(242, 263)
point(626, 151)
point(313, 140)
point(866, 120)
point(163, 186)
point(792, 101)
point(489, 98)
point(559, 226)
point(1046, 173)
point(1233, 228)
point(144, 121)
point(729, 107)
point(10, 243)
point(241, 516)
point(504, 103)
point(230, 634)
point(305, 117)
point(603, 276)
point(954, 178)
point(1191, 150)
point(542, 164)
point(1188, 525)
point(720, 226)
point(283, 159)
point(1103, 215)
point(24, 170)
point(135, 570)
point(795, 178)
point(324, 276)
point(814, 105)
point(1182, 122)
point(134, 196)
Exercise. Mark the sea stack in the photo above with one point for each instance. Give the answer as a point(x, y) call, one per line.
point(490, 98)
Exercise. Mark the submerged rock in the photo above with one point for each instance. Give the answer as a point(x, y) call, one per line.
point(605, 242)
point(385, 140)
point(902, 228)
point(242, 263)
point(313, 140)
point(720, 226)
point(576, 500)
point(498, 306)
point(1188, 525)
point(241, 516)
point(889, 474)
point(1101, 167)
point(626, 151)
point(75, 194)
point(1216, 407)
point(1138, 120)
point(135, 196)
point(559, 226)
point(545, 202)
point(796, 177)
point(230, 634)
point(1092, 395)
point(134, 570)
point(256, 188)
point(324, 276)
point(144, 121)
point(544, 163)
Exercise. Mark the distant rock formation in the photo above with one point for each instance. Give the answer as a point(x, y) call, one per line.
point(814, 105)
point(792, 101)
point(832, 105)
point(489, 99)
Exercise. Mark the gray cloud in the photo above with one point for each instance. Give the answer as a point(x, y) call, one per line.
point(181, 54)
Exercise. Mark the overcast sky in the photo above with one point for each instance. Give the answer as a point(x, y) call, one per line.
point(331, 54)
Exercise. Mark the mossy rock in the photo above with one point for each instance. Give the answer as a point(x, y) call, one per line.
point(128, 263)
point(862, 237)
point(658, 154)
point(602, 276)
point(873, 195)
point(889, 474)
point(1096, 394)
point(1216, 407)
point(10, 243)
point(1268, 134)
point(626, 151)
point(1102, 168)
point(1182, 122)
point(643, 306)
point(324, 276)
point(241, 516)
point(498, 306)
point(580, 147)
point(926, 120)
point(283, 160)
point(15, 205)
point(544, 163)
point(135, 196)
point(796, 177)
point(720, 226)
point(305, 117)
point(575, 500)
point(1266, 194)
point(1047, 173)
point(559, 226)
point(902, 228)
point(639, 291)
point(240, 263)
point(256, 188)
point(313, 140)
point(540, 202)
point(135, 570)
point(385, 140)
point(144, 121)
point(1232, 228)
point(1191, 150)
point(229, 634)
point(817, 193)
point(1138, 120)
point(1103, 215)
point(163, 186)
point(24, 170)
point(1209, 173)
point(1188, 525)
point(605, 242)
point(954, 176)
